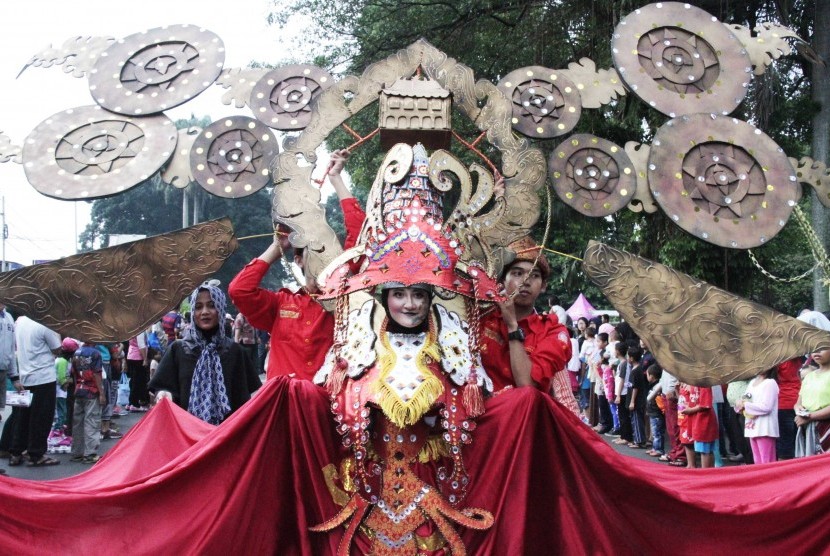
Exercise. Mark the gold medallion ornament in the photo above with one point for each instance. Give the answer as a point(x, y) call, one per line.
point(592, 175)
point(296, 200)
point(681, 60)
point(281, 98)
point(230, 157)
point(722, 180)
point(152, 71)
point(89, 152)
point(545, 102)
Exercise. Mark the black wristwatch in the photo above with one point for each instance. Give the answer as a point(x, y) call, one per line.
point(518, 335)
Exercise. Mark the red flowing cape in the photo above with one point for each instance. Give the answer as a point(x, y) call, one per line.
point(254, 485)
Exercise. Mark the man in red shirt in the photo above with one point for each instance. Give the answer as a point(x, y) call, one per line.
point(520, 347)
point(301, 330)
point(789, 384)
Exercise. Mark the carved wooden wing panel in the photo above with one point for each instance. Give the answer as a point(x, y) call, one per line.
point(701, 334)
point(112, 294)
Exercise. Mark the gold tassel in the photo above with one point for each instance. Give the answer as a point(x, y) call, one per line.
point(473, 400)
point(334, 382)
point(407, 413)
point(435, 448)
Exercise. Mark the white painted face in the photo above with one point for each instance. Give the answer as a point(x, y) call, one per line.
point(408, 306)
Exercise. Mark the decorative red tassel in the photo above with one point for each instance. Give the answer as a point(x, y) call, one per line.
point(473, 400)
point(334, 383)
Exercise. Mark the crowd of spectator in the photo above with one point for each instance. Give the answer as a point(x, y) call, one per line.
point(72, 391)
point(781, 413)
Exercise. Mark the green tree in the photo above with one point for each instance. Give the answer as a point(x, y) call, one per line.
point(494, 37)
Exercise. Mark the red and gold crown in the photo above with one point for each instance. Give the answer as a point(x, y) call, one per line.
point(412, 245)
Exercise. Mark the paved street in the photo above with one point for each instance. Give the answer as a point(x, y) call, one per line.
point(66, 468)
point(641, 454)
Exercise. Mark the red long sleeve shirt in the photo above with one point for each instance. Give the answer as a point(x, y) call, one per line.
point(547, 343)
point(301, 330)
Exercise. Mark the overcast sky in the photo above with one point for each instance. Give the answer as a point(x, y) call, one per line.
point(39, 226)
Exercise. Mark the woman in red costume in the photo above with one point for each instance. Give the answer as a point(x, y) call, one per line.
point(405, 394)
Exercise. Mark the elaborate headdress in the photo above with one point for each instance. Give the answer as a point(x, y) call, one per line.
point(406, 239)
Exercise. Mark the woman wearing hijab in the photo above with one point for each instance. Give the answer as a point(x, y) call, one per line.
point(205, 372)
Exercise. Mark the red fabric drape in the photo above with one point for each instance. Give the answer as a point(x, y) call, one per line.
point(254, 485)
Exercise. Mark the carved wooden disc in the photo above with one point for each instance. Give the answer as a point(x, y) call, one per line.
point(89, 152)
point(281, 98)
point(681, 60)
point(232, 156)
point(545, 102)
point(592, 175)
point(149, 72)
point(722, 180)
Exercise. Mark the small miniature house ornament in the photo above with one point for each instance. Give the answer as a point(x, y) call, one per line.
point(415, 110)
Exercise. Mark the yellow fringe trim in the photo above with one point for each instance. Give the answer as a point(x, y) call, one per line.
point(396, 410)
point(435, 448)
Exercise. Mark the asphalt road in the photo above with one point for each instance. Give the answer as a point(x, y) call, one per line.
point(66, 468)
point(640, 454)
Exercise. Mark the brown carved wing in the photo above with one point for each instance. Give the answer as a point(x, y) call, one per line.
point(114, 293)
point(701, 334)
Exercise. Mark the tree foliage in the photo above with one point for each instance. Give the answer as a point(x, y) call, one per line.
point(494, 37)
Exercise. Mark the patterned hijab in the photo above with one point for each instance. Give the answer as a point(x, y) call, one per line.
point(208, 396)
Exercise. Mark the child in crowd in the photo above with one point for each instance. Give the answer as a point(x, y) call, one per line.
point(760, 408)
point(117, 365)
point(108, 430)
point(637, 398)
point(610, 394)
point(574, 366)
point(702, 426)
point(595, 363)
point(621, 392)
point(654, 411)
point(58, 441)
point(684, 426)
point(87, 372)
point(812, 409)
point(62, 370)
point(586, 352)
